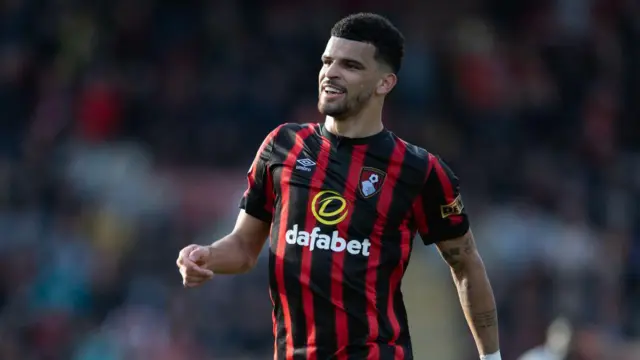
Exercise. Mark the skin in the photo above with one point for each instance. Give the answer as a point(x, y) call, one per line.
point(474, 290)
point(352, 66)
point(365, 81)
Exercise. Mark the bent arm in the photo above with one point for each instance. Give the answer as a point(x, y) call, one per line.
point(474, 290)
point(238, 252)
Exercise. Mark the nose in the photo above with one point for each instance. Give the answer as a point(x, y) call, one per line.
point(332, 71)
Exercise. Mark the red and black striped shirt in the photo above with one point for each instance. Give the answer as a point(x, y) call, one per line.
point(343, 214)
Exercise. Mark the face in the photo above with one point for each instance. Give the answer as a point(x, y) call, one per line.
point(350, 78)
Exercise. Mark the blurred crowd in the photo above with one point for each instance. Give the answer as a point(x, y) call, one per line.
point(127, 127)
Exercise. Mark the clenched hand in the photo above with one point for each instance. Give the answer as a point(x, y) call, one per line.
point(192, 264)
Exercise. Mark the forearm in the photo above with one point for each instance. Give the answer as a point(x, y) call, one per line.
point(478, 304)
point(229, 256)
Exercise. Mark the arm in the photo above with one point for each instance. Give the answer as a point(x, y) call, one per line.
point(238, 252)
point(474, 290)
point(233, 254)
point(442, 220)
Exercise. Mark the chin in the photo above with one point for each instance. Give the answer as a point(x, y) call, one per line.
point(331, 111)
point(337, 115)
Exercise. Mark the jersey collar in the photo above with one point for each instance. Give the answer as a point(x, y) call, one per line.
point(340, 140)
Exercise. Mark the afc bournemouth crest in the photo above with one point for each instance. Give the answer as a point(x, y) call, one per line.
point(371, 181)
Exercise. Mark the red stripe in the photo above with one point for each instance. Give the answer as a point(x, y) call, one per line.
point(384, 203)
point(271, 196)
point(251, 179)
point(394, 284)
point(447, 188)
point(420, 216)
point(305, 273)
point(280, 251)
point(418, 205)
point(337, 268)
point(275, 327)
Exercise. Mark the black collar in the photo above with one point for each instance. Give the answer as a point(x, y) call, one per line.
point(342, 140)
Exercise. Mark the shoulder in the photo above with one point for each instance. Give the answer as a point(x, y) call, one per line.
point(287, 132)
point(417, 158)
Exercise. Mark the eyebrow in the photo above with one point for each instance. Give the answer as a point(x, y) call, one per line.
point(325, 57)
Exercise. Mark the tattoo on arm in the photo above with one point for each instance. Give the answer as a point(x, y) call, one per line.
point(474, 290)
point(452, 253)
point(451, 256)
point(464, 291)
point(468, 244)
point(486, 319)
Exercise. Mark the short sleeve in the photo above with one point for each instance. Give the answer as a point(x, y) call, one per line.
point(439, 211)
point(258, 198)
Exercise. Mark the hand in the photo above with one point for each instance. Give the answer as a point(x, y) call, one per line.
point(191, 262)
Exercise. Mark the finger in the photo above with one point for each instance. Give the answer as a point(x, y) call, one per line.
point(189, 269)
point(197, 279)
point(195, 270)
point(186, 272)
point(199, 255)
point(184, 254)
point(183, 261)
point(192, 281)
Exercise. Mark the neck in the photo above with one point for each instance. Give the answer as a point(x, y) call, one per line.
point(358, 126)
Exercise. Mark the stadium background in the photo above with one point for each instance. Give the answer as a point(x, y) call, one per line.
point(126, 129)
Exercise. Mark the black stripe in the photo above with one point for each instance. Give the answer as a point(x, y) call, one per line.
point(362, 222)
point(283, 143)
point(406, 188)
point(299, 191)
point(323, 307)
point(388, 352)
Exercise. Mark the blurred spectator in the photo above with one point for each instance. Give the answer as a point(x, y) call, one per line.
point(556, 346)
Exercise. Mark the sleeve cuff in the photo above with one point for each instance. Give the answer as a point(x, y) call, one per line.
point(255, 211)
point(447, 234)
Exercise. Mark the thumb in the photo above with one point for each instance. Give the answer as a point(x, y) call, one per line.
point(199, 254)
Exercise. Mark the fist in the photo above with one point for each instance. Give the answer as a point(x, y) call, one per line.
point(192, 262)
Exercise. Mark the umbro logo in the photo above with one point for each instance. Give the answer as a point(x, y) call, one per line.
point(305, 164)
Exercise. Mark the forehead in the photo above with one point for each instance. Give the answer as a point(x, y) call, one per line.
point(339, 48)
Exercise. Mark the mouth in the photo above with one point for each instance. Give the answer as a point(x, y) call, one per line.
point(332, 91)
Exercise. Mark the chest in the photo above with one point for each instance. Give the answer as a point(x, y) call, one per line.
point(351, 189)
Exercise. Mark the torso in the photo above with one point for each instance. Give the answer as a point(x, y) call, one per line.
point(341, 241)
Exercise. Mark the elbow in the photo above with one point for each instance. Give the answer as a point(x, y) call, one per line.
point(249, 263)
point(248, 255)
point(247, 241)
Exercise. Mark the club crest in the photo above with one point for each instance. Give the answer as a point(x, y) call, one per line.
point(371, 181)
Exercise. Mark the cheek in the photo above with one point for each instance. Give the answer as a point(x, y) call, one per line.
point(364, 87)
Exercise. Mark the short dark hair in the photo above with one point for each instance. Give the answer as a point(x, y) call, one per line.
point(376, 30)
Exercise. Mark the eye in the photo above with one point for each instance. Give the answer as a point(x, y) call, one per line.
point(353, 65)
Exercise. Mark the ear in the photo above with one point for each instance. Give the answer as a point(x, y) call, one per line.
point(386, 84)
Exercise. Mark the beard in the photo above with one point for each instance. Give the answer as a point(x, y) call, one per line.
point(344, 107)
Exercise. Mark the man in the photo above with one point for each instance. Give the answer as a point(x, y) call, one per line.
point(342, 202)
